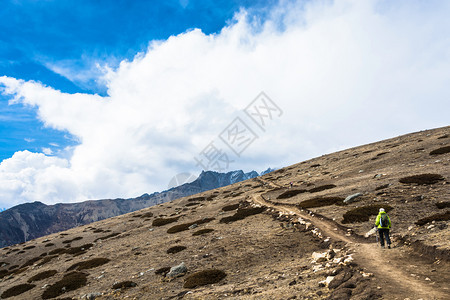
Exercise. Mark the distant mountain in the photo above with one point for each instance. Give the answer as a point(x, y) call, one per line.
point(32, 220)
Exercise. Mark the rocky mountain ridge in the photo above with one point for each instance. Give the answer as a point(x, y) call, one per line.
point(32, 220)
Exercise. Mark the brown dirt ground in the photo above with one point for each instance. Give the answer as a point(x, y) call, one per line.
point(268, 255)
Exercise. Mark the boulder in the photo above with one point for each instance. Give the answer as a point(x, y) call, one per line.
point(352, 198)
point(177, 271)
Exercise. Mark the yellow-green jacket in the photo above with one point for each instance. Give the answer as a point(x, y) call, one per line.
point(377, 222)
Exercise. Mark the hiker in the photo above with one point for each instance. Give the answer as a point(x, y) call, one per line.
point(383, 223)
point(291, 184)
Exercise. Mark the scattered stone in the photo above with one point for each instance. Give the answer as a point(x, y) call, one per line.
point(177, 271)
point(91, 296)
point(352, 198)
point(193, 226)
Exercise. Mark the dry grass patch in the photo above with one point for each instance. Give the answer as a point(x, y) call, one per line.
point(442, 150)
point(230, 207)
point(362, 214)
point(185, 226)
point(162, 271)
point(123, 285)
point(89, 264)
point(242, 213)
point(175, 249)
point(322, 188)
point(422, 179)
point(321, 201)
point(443, 204)
point(203, 231)
point(17, 290)
point(203, 278)
point(291, 193)
point(69, 282)
point(164, 221)
point(437, 217)
point(43, 275)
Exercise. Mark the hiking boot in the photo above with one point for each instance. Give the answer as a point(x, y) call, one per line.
point(389, 246)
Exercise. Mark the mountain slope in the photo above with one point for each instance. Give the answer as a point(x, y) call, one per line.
point(304, 243)
point(31, 220)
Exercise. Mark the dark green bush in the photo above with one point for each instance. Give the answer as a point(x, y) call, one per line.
point(69, 282)
point(321, 201)
point(422, 179)
point(89, 264)
point(230, 207)
point(43, 275)
point(123, 285)
point(29, 247)
point(203, 231)
point(185, 226)
point(164, 221)
point(203, 278)
point(442, 150)
point(362, 214)
point(242, 213)
point(47, 259)
point(437, 217)
point(322, 188)
point(291, 193)
point(175, 249)
point(17, 290)
point(49, 245)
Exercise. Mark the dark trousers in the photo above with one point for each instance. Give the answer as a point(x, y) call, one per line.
point(384, 233)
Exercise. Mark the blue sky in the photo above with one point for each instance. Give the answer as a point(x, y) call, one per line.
point(37, 37)
point(107, 99)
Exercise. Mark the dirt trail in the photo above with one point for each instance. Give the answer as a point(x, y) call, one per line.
point(396, 282)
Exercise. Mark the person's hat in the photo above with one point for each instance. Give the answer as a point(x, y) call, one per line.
point(381, 209)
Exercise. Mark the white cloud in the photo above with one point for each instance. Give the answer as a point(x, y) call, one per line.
point(344, 73)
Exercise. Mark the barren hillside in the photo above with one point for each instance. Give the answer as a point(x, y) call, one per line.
point(263, 239)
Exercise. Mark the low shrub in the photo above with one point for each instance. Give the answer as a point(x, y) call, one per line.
point(43, 275)
point(162, 271)
point(185, 226)
point(362, 214)
point(31, 261)
point(437, 217)
point(46, 260)
point(29, 247)
point(123, 285)
point(57, 251)
point(78, 250)
point(422, 179)
point(242, 213)
point(17, 290)
point(230, 207)
point(203, 231)
point(321, 201)
point(381, 187)
point(442, 150)
point(192, 204)
point(195, 199)
point(175, 249)
point(49, 245)
point(443, 204)
point(69, 282)
point(443, 137)
point(291, 193)
point(203, 278)
point(106, 236)
point(315, 165)
point(164, 221)
point(89, 264)
point(322, 188)
point(97, 230)
point(147, 215)
point(3, 273)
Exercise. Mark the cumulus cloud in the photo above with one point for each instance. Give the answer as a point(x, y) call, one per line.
point(344, 73)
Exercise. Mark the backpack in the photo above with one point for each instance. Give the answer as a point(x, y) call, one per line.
point(384, 221)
